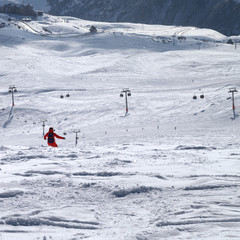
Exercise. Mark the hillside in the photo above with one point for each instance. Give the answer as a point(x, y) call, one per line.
point(169, 169)
point(38, 5)
point(220, 15)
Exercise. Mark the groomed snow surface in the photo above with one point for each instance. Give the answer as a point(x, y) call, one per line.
point(167, 170)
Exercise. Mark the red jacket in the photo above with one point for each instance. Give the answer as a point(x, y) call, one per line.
point(51, 136)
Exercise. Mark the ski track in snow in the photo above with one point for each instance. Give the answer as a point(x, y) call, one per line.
point(146, 199)
point(167, 170)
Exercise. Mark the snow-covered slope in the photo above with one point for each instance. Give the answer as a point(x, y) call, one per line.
point(221, 15)
point(167, 170)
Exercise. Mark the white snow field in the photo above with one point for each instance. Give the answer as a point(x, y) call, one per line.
point(167, 170)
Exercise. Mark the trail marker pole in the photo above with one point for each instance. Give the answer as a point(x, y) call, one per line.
point(76, 139)
point(174, 40)
point(127, 93)
point(43, 125)
point(233, 90)
point(199, 45)
point(12, 89)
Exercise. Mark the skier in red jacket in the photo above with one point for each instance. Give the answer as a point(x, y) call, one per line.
point(51, 137)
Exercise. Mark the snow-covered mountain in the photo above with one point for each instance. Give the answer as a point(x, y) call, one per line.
point(220, 15)
point(169, 169)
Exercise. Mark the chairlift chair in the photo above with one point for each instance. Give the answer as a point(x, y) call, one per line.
point(61, 96)
point(129, 94)
point(121, 95)
point(67, 95)
point(194, 97)
point(202, 96)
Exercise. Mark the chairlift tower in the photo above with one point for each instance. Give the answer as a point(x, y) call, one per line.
point(233, 90)
point(127, 93)
point(12, 89)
